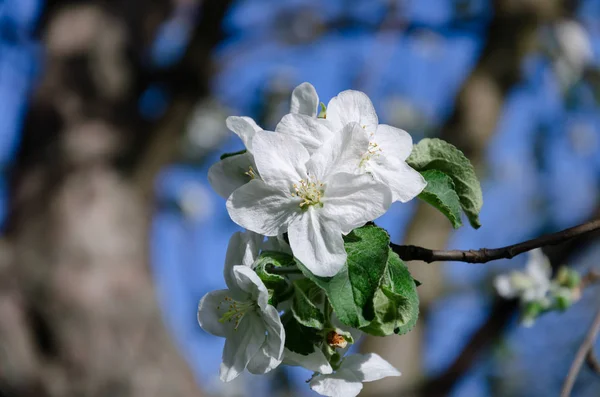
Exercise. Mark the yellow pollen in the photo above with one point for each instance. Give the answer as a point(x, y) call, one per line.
point(310, 191)
point(251, 173)
point(373, 151)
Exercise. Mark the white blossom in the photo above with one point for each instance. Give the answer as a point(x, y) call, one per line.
point(531, 285)
point(315, 361)
point(302, 123)
point(253, 330)
point(234, 171)
point(347, 380)
point(388, 149)
point(304, 100)
point(312, 198)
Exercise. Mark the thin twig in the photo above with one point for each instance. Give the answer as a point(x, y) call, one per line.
point(586, 346)
point(591, 277)
point(484, 255)
point(592, 361)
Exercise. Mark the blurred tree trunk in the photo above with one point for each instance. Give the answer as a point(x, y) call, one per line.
point(511, 35)
point(77, 302)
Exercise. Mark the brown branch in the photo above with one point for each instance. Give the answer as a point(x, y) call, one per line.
point(497, 322)
point(582, 353)
point(484, 255)
point(592, 361)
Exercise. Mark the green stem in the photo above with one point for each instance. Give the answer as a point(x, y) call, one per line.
point(327, 309)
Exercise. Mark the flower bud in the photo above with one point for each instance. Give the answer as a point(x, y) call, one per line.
point(336, 340)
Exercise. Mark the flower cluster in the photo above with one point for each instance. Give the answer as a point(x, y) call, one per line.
point(299, 191)
point(535, 288)
point(316, 178)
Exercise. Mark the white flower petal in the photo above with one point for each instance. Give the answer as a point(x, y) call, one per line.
point(279, 158)
point(394, 142)
point(342, 153)
point(270, 354)
point(304, 100)
point(241, 345)
point(351, 106)
point(211, 309)
point(248, 281)
point(314, 361)
point(340, 384)
point(538, 266)
point(262, 208)
point(244, 127)
point(242, 250)
point(230, 173)
point(353, 200)
point(309, 131)
point(277, 244)
point(368, 367)
point(404, 182)
point(504, 287)
point(317, 242)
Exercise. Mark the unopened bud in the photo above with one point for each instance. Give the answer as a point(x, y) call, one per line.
point(336, 340)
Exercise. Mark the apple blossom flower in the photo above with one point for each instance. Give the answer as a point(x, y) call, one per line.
point(236, 170)
point(253, 330)
point(312, 198)
point(531, 285)
point(388, 146)
point(347, 380)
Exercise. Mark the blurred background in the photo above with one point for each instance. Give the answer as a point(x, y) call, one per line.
point(111, 113)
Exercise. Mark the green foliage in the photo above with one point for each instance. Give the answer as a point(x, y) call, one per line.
point(298, 338)
point(568, 278)
point(396, 302)
point(278, 284)
point(352, 290)
point(436, 154)
point(303, 307)
point(440, 193)
point(226, 155)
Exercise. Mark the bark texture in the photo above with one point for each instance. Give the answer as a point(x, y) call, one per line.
point(77, 301)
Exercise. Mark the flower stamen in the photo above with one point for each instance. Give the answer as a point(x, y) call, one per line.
point(310, 191)
point(237, 310)
point(373, 151)
point(251, 173)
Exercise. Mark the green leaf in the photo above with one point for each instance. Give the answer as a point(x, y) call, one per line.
point(275, 282)
point(396, 302)
point(436, 154)
point(351, 291)
point(298, 338)
point(303, 307)
point(441, 194)
point(225, 155)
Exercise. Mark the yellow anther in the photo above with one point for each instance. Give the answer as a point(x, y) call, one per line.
point(251, 173)
point(310, 191)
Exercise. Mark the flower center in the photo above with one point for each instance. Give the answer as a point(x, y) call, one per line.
point(373, 151)
point(310, 191)
point(236, 310)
